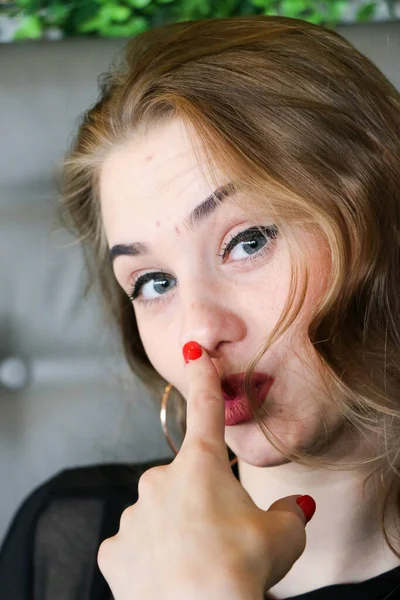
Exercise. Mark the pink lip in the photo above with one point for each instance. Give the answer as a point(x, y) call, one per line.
point(237, 407)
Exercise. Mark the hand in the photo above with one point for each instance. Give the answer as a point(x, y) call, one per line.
point(194, 531)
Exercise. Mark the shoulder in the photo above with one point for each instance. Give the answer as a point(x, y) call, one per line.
point(84, 485)
point(52, 541)
point(99, 478)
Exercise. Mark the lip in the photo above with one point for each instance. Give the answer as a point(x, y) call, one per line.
point(237, 406)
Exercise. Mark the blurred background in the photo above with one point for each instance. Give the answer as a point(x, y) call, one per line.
point(66, 396)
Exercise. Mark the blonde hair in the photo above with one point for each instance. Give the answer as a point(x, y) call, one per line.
point(293, 112)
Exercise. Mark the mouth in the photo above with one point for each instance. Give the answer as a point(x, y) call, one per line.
point(233, 385)
point(237, 406)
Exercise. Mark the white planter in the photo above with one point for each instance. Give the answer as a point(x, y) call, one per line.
point(381, 13)
point(8, 27)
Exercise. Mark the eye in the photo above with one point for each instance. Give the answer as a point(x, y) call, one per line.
point(252, 241)
point(151, 285)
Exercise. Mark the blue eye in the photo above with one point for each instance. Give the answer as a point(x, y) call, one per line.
point(152, 285)
point(253, 242)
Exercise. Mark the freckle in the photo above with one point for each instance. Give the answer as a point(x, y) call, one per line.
point(157, 223)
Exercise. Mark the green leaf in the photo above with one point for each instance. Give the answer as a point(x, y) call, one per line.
point(57, 13)
point(134, 27)
point(315, 17)
point(80, 15)
point(264, 4)
point(28, 5)
point(293, 8)
point(113, 12)
point(194, 9)
point(31, 28)
point(139, 4)
point(366, 12)
point(204, 7)
point(334, 11)
point(162, 14)
point(224, 9)
point(90, 25)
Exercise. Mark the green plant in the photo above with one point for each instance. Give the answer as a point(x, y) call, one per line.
point(124, 18)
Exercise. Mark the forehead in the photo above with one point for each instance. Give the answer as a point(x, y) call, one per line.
point(148, 170)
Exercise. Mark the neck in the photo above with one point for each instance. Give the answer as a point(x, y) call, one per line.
point(345, 542)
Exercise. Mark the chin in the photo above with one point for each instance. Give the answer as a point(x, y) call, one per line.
point(251, 446)
point(263, 459)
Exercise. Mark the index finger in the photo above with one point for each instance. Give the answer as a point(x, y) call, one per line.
point(205, 412)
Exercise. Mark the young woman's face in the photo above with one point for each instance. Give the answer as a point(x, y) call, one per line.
point(190, 281)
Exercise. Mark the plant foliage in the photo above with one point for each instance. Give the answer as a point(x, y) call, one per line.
point(125, 18)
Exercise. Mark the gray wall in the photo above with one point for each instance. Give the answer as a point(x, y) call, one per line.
point(82, 406)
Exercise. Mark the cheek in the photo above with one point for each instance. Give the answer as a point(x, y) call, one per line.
point(270, 293)
point(157, 345)
point(318, 269)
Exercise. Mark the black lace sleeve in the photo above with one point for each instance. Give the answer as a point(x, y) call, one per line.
point(50, 549)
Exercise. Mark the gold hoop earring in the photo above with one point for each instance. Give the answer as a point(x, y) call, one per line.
point(163, 419)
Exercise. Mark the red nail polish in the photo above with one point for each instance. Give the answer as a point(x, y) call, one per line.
point(191, 351)
point(307, 505)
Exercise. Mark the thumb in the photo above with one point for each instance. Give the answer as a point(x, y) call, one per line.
point(285, 528)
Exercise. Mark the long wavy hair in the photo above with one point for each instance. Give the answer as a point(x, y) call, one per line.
point(294, 113)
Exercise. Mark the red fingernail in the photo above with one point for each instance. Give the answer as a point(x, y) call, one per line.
point(191, 351)
point(307, 505)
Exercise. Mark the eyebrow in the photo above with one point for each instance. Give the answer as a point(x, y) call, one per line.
point(198, 214)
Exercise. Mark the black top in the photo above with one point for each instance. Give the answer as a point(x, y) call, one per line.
point(50, 550)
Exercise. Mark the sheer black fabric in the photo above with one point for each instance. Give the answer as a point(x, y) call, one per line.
point(50, 550)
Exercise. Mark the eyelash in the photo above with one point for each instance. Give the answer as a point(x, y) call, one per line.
point(270, 232)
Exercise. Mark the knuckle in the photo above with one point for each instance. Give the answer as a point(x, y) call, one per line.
point(290, 521)
point(199, 454)
point(287, 525)
point(126, 517)
point(150, 480)
point(207, 396)
point(204, 448)
point(104, 554)
point(255, 535)
point(203, 399)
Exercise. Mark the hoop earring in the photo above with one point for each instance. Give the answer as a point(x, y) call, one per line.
point(163, 419)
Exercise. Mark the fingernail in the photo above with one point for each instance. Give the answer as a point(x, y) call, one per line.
point(191, 351)
point(307, 505)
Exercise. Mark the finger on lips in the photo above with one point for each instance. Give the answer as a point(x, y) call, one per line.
point(206, 418)
point(191, 351)
point(205, 413)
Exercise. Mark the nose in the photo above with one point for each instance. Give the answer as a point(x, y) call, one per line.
point(211, 321)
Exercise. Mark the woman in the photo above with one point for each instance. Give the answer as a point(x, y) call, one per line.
point(236, 185)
